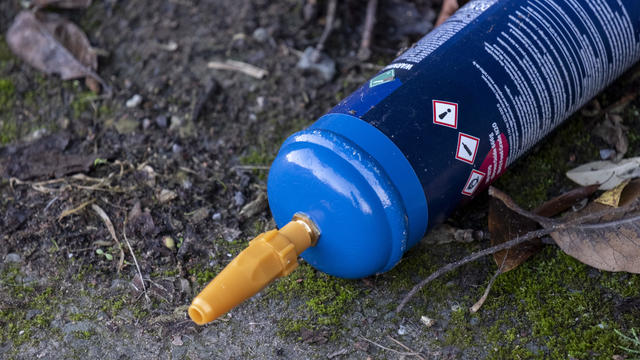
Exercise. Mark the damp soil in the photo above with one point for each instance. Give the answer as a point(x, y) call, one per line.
point(181, 177)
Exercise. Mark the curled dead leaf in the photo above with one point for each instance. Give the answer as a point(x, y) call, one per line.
point(505, 224)
point(53, 45)
point(601, 236)
point(606, 173)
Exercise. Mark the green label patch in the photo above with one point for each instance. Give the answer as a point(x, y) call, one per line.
point(385, 77)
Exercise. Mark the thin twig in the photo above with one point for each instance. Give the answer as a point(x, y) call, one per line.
point(328, 26)
point(469, 258)
point(365, 51)
point(135, 260)
point(239, 66)
point(75, 210)
point(250, 167)
point(550, 227)
point(417, 354)
point(105, 218)
point(388, 349)
point(482, 299)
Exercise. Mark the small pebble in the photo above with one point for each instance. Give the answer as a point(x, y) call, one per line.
point(162, 121)
point(261, 34)
point(606, 154)
point(427, 321)
point(12, 258)
point(324, 65)
point(146, 123)
point(134, 101)
point(216, 217)
point(176, 148)
point(238, 198)
point(177, 340)
point(166, 195)
point(402, 330)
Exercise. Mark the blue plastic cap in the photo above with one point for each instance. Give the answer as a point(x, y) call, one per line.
point(365, 199)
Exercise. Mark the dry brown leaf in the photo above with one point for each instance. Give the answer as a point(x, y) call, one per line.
point(601, 236)
point(611, 245)
point(612, 197)
point(64, 4)
point(53, 45)
point(505, 224)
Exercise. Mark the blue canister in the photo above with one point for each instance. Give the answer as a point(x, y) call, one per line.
point(443, 121)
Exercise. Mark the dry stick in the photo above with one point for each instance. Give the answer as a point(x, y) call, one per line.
point(417, 354)
point(482, 253)
point(68, 212)
point(135, 260)
point(550, 227)
point(482, 299)
point(388, 349)
point(549, 223)
point(328, 26)
point(105, 218)
point(365, 52)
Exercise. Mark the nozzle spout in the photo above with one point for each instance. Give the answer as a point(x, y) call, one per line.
point(269, 256)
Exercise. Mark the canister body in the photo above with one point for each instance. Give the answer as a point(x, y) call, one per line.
point(444, 120)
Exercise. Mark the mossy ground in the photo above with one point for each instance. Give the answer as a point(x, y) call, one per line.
point(550, 307)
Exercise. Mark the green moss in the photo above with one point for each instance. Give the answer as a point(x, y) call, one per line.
point(258, 157)
point(459, 332)
point(624, 284)
point(5, 52)
point(84, 335)
point(7, 93)
point(325, 299)
point(8, 131)
point(202, 274)
point(80, 317)
point(81, 103)
point(14, 325)
point(552, 303)
point(539, 175)
point(112, 306)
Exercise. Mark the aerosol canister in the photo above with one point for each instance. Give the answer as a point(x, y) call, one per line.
point(363, 184)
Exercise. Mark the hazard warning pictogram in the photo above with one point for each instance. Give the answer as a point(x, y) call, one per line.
point(467, 148)
point(445, 113)
point(473, 183)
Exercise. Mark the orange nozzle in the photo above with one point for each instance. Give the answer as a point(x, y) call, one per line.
point(270, 255)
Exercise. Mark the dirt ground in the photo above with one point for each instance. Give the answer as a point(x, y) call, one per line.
point(181, 177)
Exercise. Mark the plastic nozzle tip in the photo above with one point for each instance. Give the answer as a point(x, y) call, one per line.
point(201, 312)
point(269, 256)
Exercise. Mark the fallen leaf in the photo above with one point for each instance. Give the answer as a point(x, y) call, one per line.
point(64, 4)
point(605, 173)
point(42, 159)
point(505, 224)
point(53, 45)
point(612, 197)
point(565, 201)
point(612, 244)
point(614, 133)
point(599, 235)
